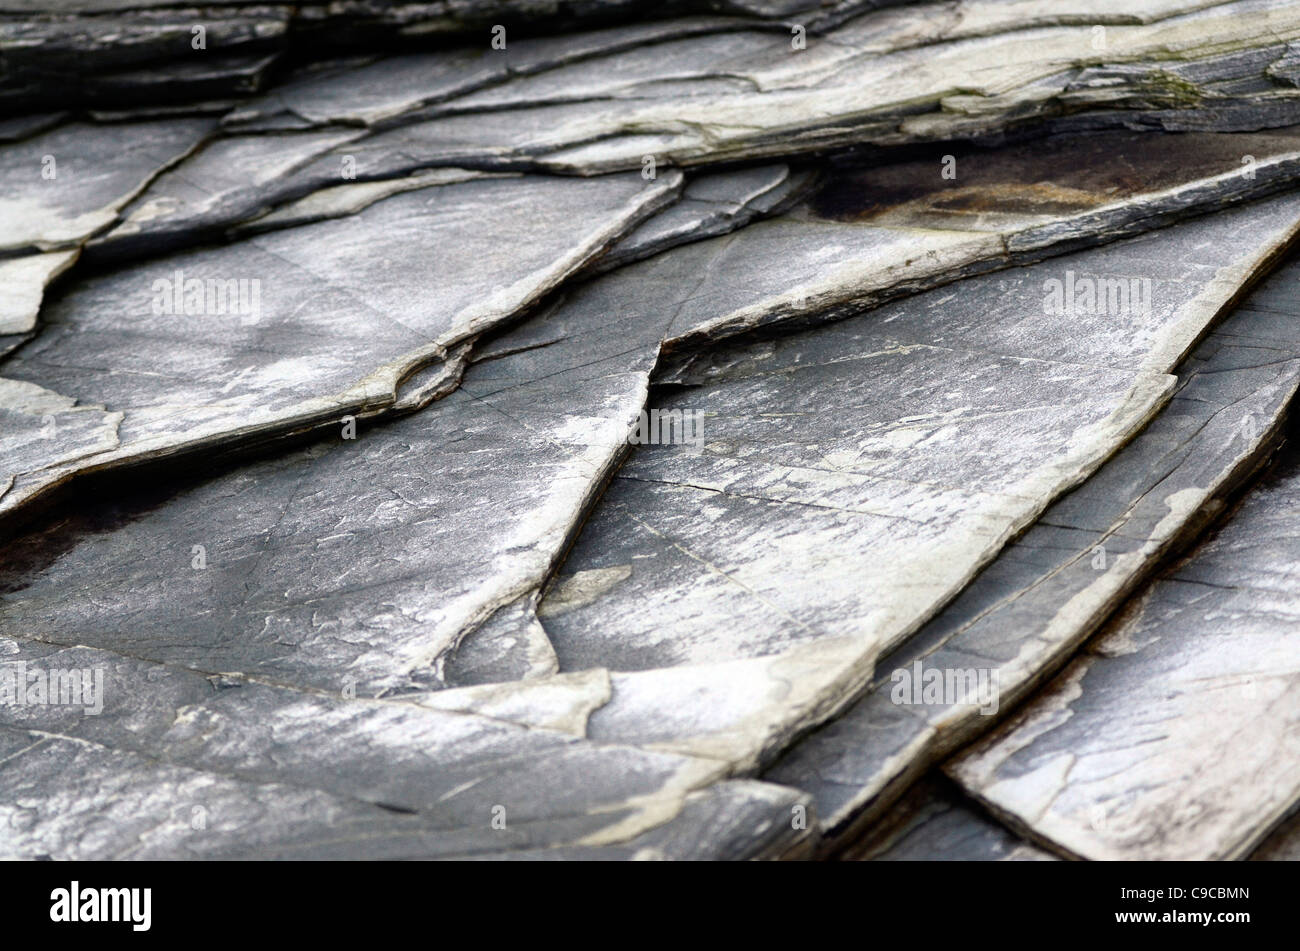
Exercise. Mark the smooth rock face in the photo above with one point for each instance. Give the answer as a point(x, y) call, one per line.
point(1174, 736)
point(1050, 588)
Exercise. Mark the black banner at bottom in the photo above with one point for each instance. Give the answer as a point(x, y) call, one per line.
point(580, 901)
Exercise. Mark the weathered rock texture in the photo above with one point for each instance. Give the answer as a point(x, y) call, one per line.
point(1174, 736)
point(1055, 584)
point(614, 430)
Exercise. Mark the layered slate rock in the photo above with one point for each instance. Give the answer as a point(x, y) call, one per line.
point(857, 513)
point(62, 52)
point(384, 89)
point(874, 82)
point(1173, 736)
point(401, 93)
point(219, 185)
point(99, 51)
point(829, 257)
point(712, 205)
point(1054, 585)
point(1170, 163)
point(506, 464)
point(63, 185)
point(393, 561)
point(933, 823)
point(283, 332)
point(167, 746)
point(510, 461)
point(103, 55)
point(418, 443)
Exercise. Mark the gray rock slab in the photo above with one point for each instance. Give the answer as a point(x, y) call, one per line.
point(376, 555)
point(711, 205)
point(24, 280)
point(41, 427)
point(63, 185)
point(799, 524)
point(63, 799)
point(1174, 735)
point(932, 823)
point(884, 79)
point(217, 765)
point(447, 775)
point(1050, 588)
point(384, 90)
point(729, 821)
point(226, 181)
point(739, 713)
point(851, 479)
point(332, 319)
point(347, 199)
